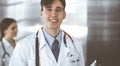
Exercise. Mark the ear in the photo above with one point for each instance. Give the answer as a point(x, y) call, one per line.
point(40, 13)
point(64, 15)
point(5, 31)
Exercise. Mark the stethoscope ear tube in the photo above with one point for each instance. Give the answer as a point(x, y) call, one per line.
point(5, 52)
point(37, 49)
point(65, 37)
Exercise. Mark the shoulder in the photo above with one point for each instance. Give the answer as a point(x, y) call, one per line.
point(74, 42)
point(25, 45)
point(0, 42)
point(0, 45)
point(1, 49)
point(28, 40)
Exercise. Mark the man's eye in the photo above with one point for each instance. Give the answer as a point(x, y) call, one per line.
point(59, 10)
point(49, 9)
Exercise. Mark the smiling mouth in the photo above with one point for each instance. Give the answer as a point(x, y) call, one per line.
point(53, 20)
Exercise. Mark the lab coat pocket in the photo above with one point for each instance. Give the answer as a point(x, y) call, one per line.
point(73, 58)
point(31, 62)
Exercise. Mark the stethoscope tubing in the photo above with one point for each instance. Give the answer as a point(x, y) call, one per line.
point(37, 45)
point(4, 54)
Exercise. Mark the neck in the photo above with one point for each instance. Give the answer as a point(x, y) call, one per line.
point(52, 32)
point(10, 40)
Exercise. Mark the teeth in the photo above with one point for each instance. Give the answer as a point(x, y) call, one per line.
point(53, 20)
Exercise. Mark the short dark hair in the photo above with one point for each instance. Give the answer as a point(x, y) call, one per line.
point(5, 23)
point(48, 2)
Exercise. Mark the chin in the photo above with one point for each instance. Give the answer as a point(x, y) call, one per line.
point(55, 28)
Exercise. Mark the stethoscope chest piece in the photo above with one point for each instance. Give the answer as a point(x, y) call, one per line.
point(73, 56)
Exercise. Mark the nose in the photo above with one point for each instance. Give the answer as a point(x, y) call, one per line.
point(16, 30)
point(54, 14)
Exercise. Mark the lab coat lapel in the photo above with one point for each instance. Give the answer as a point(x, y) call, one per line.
point(63, 50)
point(42, 42)
point(44, 46)
point(49, 53)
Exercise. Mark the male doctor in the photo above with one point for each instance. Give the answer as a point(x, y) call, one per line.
point(56, 47)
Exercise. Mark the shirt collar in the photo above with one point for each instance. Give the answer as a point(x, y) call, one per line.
point(49, 39)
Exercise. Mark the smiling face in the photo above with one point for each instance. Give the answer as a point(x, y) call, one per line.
point(53, 15)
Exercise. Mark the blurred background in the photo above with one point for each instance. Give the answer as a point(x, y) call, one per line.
point(103, 40)
point(95, 23)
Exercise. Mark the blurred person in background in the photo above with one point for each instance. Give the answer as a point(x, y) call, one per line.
point(8, 30)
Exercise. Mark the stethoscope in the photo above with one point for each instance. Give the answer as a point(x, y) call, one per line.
point(4, 54)
point(64, 39)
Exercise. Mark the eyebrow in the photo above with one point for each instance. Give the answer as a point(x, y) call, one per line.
point(51, 7)
point(60, 8)
point(48, 6)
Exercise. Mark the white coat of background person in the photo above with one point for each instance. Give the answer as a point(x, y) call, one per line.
point(8, 30)
point(71, 54)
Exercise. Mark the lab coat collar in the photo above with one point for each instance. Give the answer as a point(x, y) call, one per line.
point(41, 38)
point(44, 46)
point(6, 43)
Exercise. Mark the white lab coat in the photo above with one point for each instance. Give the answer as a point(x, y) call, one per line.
point(24, 53)
point(9, 49)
